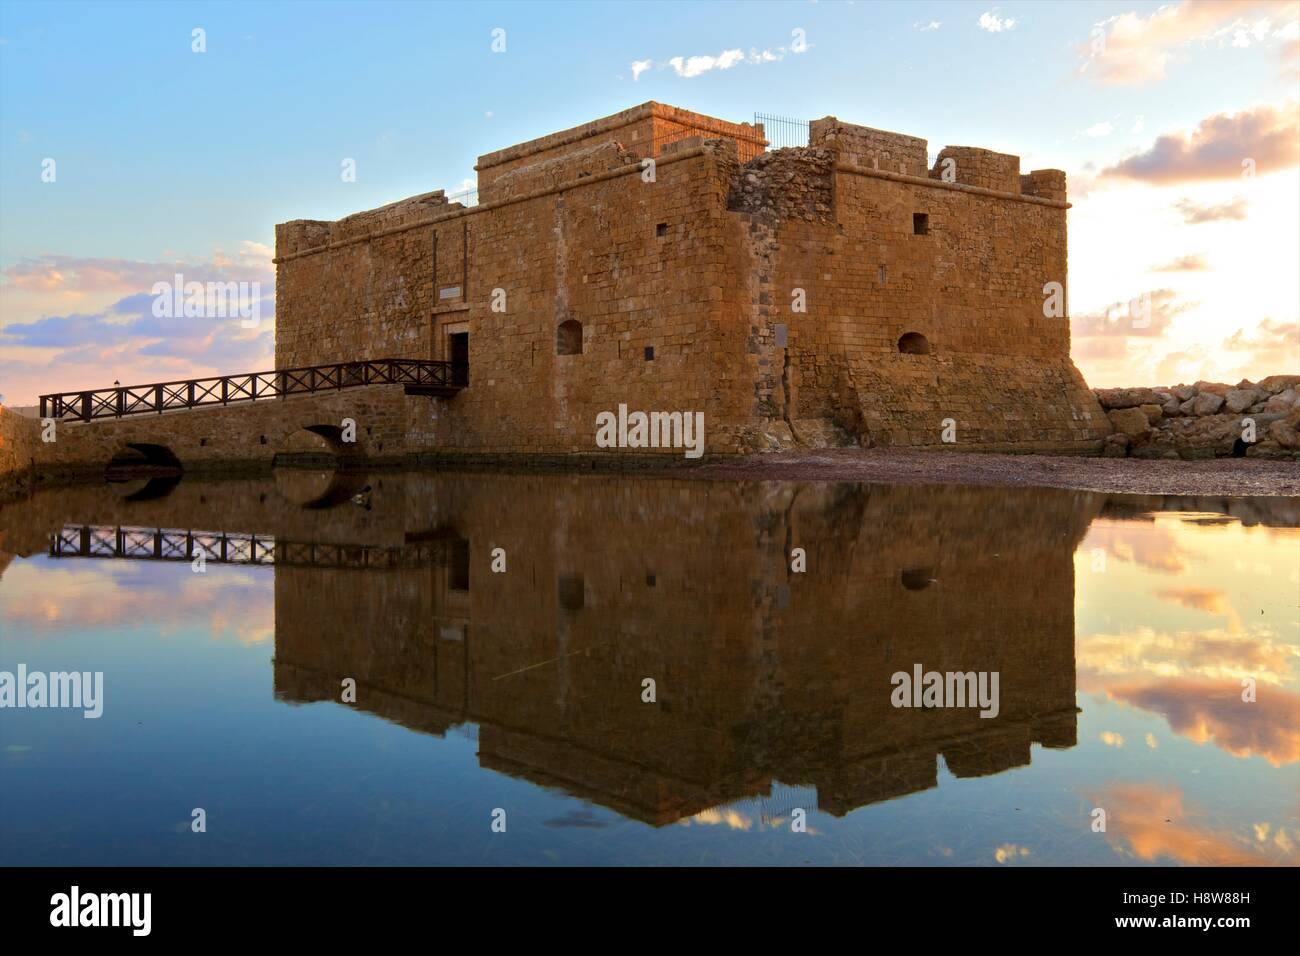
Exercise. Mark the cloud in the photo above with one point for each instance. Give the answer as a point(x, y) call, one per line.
point(57, 273)
point(1213, 712)
point(1145, 316)
point(1149, 821)
point(1195, 213)
point(1145, 544)
point(74, 596)
point(1132, 49)
point(689, 67)
point(1271, 344)
point(1219, 146)
point(1189, 263)
point(1208, 600)
point(1096, 130)
point(927, 27)
point(120, 337)
point(991, 22)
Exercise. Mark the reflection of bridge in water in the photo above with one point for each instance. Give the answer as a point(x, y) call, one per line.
point(771, 685)
point(224, 547)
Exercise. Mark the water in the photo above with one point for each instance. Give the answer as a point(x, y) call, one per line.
point(1120, 630)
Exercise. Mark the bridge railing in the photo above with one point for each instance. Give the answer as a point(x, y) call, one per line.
point(226, 547)
point(160, 397)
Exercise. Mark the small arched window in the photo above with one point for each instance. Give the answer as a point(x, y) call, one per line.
point(568, 338)
point(914, 343)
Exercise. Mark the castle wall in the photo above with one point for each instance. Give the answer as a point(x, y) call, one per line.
point(971, 284)
point(642, 130)
point(700, 266)
point(582, 237)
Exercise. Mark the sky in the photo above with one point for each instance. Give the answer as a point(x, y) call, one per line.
point(128, 156)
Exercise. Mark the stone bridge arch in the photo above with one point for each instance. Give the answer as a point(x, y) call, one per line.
point(134, 459)
point(319, 445)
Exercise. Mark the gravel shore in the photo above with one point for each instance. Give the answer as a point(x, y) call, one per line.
point(1217, 476)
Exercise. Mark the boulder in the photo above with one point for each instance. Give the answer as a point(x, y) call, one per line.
point(1207, 403)
point(1115, 446)
point(1213, 388)
point(1126, 397)
point(1286, 431)
point(1240, 399)
point(1152, 412)
point(1284, 434)
point(1129, 421)
point(1279, 383)
point(1208, 437)
point(1171, 407)
point(1183, 392)
point(1281, 402)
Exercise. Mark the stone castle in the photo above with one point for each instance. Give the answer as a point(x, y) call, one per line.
point(843, 292)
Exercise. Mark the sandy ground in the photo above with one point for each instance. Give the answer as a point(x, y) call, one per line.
point(1219, 476)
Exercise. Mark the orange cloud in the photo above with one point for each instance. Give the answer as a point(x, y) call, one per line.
point(1151, 822)
point(1194, 213)
point(1191, 263)
point(1130, 49)
point(1146, 544)
point(1213, 712)
point(1145, 656)
point(78, 594)
point(1145, 316)
point(1209, 600)
point(1266, 136)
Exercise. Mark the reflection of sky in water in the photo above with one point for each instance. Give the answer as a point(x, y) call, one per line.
point(1170, 613)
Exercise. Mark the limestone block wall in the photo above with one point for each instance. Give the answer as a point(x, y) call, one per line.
point(968, 275)
point(581, 237)
point(20, 444)
point(641, 267)
point(359, 297)
point(870, 148)
point(636, 129)
point(681, 287)
point(981, 167)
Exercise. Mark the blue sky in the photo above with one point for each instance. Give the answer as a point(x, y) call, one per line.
point(168, 155)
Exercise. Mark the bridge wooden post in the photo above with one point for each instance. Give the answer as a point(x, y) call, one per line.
point(85, 406)
point(158, 398)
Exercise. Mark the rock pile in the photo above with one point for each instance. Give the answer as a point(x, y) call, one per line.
point(785, 184)
point(1205, 420)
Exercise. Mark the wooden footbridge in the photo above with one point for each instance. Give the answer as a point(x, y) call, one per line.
point(419, 376)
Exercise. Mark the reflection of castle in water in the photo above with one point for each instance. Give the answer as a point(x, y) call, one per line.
point(762, 674)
